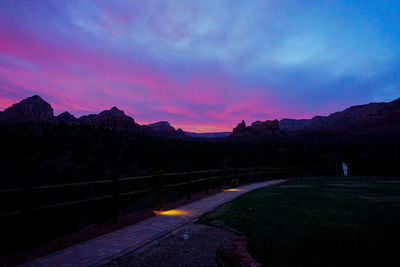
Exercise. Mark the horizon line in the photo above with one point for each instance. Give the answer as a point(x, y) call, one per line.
point(199, 128)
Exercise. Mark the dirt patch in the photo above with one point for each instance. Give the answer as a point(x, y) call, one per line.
point(352, 185)
point(391, 181)
point(296, 186)
point(379, 198)
point(274, 194)
point(198, 248)
point(241, 250)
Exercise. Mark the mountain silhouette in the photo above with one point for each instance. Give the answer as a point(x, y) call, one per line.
point(33, 108)
point(373, 117)
point(258, 129)
point(67, 118)
point(113, 118)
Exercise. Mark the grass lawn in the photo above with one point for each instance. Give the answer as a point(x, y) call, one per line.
point(325, 221)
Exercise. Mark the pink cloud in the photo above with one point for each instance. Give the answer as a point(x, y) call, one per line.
point(85, 79)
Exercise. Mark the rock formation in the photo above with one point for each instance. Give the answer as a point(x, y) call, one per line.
point(31, 109)
point(293, 125)
point(265, 127)
point(113, 119)
point(258, 129)
point(164, 129)
point(67, 118)
point(372, 117)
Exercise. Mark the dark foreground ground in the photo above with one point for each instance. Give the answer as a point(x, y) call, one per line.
point(35, 155)
point(326, 221)
point(94, 231)
point(199, 249)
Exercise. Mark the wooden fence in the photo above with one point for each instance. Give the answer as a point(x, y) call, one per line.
point(188, 182)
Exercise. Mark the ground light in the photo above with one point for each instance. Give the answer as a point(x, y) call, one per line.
point(171, 212)
point(232, 189)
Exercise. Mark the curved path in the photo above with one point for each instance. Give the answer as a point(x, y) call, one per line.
point(105, 248)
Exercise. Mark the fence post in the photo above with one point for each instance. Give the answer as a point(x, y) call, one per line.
point(28, 223)
point(27, 202)
point(115, 190)
point(220, 179)
point(160, 191)
point(220, 173)
point(260, 174)
point(189, 186)
point(289, 173)
point(208, 181)
point(226, 180)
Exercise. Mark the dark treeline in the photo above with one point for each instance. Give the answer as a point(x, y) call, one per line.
point(52, 154)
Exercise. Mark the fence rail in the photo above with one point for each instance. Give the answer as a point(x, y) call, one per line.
point(159, 183)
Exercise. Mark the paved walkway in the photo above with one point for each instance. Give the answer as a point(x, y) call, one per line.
point(108, 247)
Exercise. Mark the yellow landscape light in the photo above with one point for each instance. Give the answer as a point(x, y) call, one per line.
point(172, 212)
point(232, 189)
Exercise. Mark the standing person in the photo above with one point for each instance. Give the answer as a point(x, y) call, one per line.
point(344, 165)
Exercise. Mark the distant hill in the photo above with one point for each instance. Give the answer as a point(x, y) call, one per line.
point(35, 109)
point(67, 118)
point(163, 128)
point(113, 118)
point(258, 129)
point(361, 119)
point(373, 117)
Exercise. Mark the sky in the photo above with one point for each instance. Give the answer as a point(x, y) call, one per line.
point(201, 65)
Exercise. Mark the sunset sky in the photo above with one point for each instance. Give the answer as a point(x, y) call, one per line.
point(201, 65)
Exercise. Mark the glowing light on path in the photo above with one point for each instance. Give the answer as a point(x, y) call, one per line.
point(232, 189)
point(172, 212)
